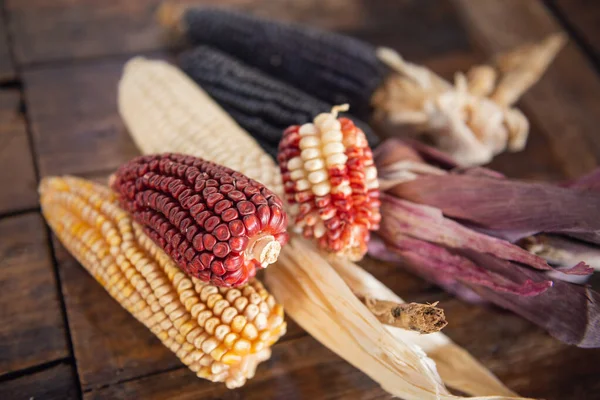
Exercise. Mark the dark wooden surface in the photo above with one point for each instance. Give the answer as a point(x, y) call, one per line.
point(63, 337)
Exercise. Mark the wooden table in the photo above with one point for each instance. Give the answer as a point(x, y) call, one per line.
point(63, 337)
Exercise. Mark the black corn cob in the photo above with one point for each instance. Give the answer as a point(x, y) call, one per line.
point(262, 105)
point(335, 68)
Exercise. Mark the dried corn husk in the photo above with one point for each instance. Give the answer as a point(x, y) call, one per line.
point(398, 363)
point(472, 119)
point(317, 297)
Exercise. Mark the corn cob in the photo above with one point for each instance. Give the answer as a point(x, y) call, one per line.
point(329, 174)
point(216, 224)
point(158, 101)
point(335, 68)
point(318, 301)
point(262, 105)
point(221, 334)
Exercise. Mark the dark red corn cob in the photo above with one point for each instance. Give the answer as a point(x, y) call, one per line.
point(217, 224)
point(329, 175)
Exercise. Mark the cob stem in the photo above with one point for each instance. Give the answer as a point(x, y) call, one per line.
point(264, 248)
point(422, 318)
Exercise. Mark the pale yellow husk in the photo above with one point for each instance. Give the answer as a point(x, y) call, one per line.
point(313, 293)
point(474, 118)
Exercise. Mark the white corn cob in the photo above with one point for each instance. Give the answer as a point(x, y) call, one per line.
point(165, 111)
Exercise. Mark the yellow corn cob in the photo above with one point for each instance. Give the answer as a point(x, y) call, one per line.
point(221, 334)
point(156, 100)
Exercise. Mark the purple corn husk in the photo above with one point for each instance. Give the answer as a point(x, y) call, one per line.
point(454, 227)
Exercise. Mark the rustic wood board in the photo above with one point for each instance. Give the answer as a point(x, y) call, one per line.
point(7, 69)
point(83, 29)
point(584, 17)
point(299, 369)
point(16, 162)
point(31, 324)
point(75, 123)
point(70, 98)
point(565, 104)
point(54, 383)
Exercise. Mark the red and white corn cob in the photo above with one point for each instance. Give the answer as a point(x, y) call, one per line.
point(331, 182)
point(217, 224)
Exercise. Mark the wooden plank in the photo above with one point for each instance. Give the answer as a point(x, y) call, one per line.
point(565, 103)
point(109, 344)
point(67, 29)
point(7, 69)
point(75, 123)
point(55, 383)
point(298, 369)
point(31, 325)
point(584, 17)
point(16, 162)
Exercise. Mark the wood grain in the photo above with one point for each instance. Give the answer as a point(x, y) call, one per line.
point(75, 123)
point(565, 103)
point(16, 162)
point(584, 17)
point(31, 325)
point(7, 69)
point(69, 29)
point(298, 369)
point(55, 383)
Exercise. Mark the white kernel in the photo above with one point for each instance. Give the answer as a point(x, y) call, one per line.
point(370, 173)
point(322, 117)
point(374, 184)
point(313, 165)
point(317, 176)
point(297, 174)
point(330, 124)
point(319, 229)
point(331, 136)
point(302, 184)
point(333, 148)
point(260, 322)
point(309, 154)
point(251, 312)
point(308, 142)
point(337, 159)
point(294, 163)
point(321, 189)
point(307, 129)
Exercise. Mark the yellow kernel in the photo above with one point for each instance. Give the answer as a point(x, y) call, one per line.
point(200, 339)
point(230, 339)
point(212, 299)
point(221, 331)
point(196, 309)
point(217, 353)
point(204, 373)
point(250, 332)
point(240, 303)
point(242, 347)
point(260, 322)
point(264, 335)
point(238, 323)
point(251, 312)
point(209, 345)
point(258, 346)
point(228, 314)
point(220, 306)
point(230, 358)
point(217, 368)
point(255, 298)
point(180, 321)
point(186, 327)
point(232, 295)
point(206, 291)
point(193, 334)
point(248, 290)
point(211, 324)
point(203, 317)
